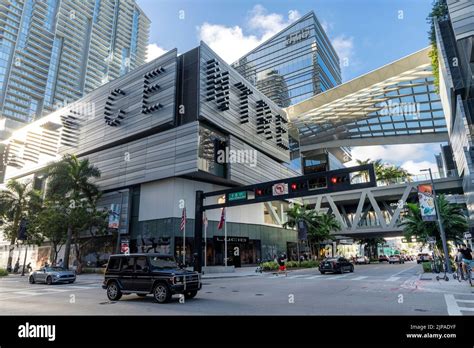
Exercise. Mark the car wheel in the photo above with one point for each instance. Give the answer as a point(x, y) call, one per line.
point(49, 280)
point(162, 293)
point(113, 291)
point(322, 272)
point(190, 294)
point(341, 270)
point(352, 269)
point(31, 279)
point(71, 281)
point(142, 295)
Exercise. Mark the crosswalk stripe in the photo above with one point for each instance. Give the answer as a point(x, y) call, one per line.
point(392, 279)
point(296, 276)
point(82, 287)
point(338, 277)
point(359, 278)
point(314, 277)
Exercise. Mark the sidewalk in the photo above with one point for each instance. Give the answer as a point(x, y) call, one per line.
point(428, 281)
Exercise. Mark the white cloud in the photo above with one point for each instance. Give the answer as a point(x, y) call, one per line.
point(327, 26)
point(231, 42)
point(414, 167)
point(154, 51)
point(412, 157)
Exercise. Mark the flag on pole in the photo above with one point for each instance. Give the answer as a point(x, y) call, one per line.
point(222, 220)
point(183, 220)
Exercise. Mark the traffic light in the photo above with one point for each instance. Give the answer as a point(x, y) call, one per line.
point(263, 191)
point(340, 179)
point(298, 186)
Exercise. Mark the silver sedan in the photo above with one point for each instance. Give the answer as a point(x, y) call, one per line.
point(52, 275)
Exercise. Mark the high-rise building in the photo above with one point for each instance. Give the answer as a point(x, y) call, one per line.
point(52, 52)
point(300, 58)
point(294, 65)
point(454, 34)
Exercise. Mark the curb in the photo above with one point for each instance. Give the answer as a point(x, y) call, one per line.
point(421, 277)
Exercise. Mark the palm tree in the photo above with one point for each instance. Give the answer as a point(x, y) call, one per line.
point(383, 172)
point(320, 226)
point(71, 178)
point(371, 244)
point(18, 201)
point(321, 229)
point(453, 219)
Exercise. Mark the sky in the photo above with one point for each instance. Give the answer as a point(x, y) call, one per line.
point(367, 34)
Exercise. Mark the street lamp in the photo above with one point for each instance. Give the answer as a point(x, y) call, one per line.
point(440, 223)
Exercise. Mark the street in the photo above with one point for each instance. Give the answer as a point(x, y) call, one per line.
point(375, 289)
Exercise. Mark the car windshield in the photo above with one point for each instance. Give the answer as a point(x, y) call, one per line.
point(54, 269)
point(163, 262)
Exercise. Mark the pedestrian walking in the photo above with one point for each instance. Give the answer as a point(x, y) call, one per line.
point(281, 264)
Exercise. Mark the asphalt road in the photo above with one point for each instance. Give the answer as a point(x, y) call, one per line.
point(376, 289)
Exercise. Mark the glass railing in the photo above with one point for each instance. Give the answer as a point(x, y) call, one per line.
point(418, 177)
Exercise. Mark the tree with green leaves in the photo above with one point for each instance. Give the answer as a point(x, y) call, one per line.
point(320, 226)
point(452, 216)
point(49, 226)
point(371, 246)
point(18, 201)
point(70, 183)
point(383, 171)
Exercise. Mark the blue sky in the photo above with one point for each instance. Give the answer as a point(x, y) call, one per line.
point(369, 33)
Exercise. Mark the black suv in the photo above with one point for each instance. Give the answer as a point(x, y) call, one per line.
point(145, 274)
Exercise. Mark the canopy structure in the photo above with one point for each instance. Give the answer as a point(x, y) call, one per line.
point(395, 104)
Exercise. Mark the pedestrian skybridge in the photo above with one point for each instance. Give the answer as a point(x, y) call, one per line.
point(395, 104)
point(378, 211)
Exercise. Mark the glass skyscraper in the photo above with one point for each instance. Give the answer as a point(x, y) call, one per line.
point(293, 65)
point(52, 52)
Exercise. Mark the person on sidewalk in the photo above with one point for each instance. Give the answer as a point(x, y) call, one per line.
point(17, 266)
point(281, 264)
point(466, 257)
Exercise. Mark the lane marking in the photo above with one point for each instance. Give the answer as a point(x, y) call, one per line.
point(392, 279)
point(404, 270)
point(296, 276)
point(453, 308)
point(359, 278)
point(314, 277)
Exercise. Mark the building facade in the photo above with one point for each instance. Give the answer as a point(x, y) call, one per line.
point(294, 65)
point(156, 134)
point(455, 44)
point(53, 52)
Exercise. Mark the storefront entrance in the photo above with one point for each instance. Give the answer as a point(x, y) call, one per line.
point(240, 251)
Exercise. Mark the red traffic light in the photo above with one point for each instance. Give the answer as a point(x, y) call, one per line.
point(258, 192)
point(294, 186)
point(334, 180)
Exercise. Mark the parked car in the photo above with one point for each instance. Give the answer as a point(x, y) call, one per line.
point(145, 274)
point(362, 260)
point(396, 259)
point(336, 265)
point(52, 275)
point(422, 257)
point(383, 258)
